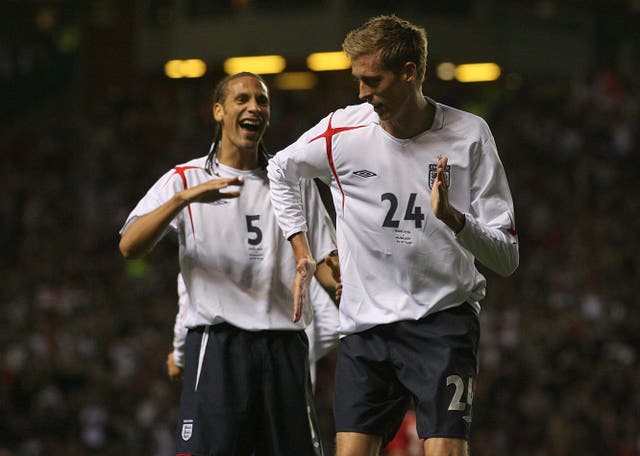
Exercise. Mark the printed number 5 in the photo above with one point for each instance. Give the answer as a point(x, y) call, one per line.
point(456, 402)
point(251, 228)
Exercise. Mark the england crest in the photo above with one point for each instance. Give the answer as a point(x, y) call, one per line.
point(187, 429)
point(433, 170)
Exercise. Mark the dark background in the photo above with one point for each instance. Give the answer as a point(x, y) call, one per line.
point(88, 122)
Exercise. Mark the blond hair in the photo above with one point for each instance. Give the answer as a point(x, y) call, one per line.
point(399, 41)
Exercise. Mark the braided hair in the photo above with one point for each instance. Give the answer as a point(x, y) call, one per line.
point(219, 96)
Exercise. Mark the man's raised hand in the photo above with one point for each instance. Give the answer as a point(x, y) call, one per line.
point(213, 190)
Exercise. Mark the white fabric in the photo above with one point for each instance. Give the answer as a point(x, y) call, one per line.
point(237, 265)
point(179, 329)
point(398, 261)
point(322, 333)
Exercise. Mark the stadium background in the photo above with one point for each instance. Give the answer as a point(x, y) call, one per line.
point(89, 121)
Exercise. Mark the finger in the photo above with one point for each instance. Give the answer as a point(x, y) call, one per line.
point(297, 309)
point(232, 180)
point(442, 177)
point(298, 301)
point(229, 194)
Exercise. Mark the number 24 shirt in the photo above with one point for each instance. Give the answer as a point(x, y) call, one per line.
point(398, 261)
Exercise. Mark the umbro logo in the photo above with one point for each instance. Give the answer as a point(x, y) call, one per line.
point(364, 173)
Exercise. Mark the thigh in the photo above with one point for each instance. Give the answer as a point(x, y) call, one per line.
point(437, 360)
point(216, 405)
point(368, 398)
point(289, 424)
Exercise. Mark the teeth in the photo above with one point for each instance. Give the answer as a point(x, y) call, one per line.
point(249, 124)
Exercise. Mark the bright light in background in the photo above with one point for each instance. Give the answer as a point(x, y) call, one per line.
point(298, 80)
point(328, 61)
point(191, 68)
point(259, 64)
point(446, 71)
point(477, 72)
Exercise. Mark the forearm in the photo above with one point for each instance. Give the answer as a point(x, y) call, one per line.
point(143, 233)
point(300, 245)
point(454, 219)
point(492, 247)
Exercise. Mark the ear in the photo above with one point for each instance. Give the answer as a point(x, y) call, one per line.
point(409, 72)
point(218, 112)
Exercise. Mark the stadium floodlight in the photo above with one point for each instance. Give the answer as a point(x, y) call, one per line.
point(193, 68)
point(190, 68)
point(328, 61)
point(172, 69)
point(259, 64)
point(446, 71)
point(477, 72)
point(296, 80)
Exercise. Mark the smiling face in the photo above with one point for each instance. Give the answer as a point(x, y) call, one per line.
point(243, 113)
point(385, 90)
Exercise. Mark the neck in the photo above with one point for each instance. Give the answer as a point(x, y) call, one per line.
point(241, 159)
point(415, 117)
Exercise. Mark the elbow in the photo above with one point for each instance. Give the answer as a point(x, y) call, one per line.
point(127, 251)
point(509, 267)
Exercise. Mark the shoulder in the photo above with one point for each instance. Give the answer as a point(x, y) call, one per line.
point(183, 172)
point(196, 163)
point(355, 115)
point(458, 119)
point(456, 114)
point(197, 166)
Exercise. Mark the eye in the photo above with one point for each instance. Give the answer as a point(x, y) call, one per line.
point(371, 82)
point(240, 99)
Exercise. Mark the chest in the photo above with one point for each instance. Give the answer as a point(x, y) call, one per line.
point(244, 223)
point(372, 167)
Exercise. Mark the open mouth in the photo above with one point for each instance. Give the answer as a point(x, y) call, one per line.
point(252, 125)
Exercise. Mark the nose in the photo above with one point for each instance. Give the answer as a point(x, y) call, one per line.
point(254, 106)
point(364, 91)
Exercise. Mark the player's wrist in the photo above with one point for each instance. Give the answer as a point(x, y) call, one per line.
point(183, 198)
point(455, 220)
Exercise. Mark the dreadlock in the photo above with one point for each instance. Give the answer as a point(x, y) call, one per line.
point(219, 96)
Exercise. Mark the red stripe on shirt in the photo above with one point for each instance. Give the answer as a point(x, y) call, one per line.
point(180, 171)
point(328, 135)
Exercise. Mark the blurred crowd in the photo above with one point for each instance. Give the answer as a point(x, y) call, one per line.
point(84, 333)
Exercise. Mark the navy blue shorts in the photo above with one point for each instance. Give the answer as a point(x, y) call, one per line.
point(432, 362)
point(246, 393)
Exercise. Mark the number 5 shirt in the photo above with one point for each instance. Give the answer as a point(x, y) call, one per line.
point(397, 260)
point(236, 263)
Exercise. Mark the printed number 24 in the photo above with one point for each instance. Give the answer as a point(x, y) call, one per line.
point(412, 212)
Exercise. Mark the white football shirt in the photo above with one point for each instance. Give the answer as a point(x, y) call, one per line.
point(237, 265)
point(397, 260)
